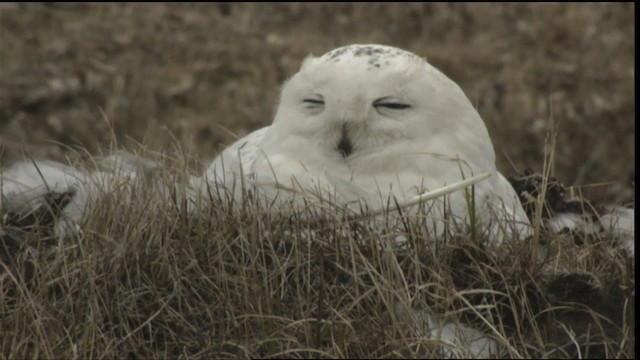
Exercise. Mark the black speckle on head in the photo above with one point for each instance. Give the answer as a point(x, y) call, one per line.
point(338, 52)
point(369, 51)
point(377, 56)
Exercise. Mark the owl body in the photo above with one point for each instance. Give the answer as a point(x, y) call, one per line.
point(362, 127)
point(376, 124)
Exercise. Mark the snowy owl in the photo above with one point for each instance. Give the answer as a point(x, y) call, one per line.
point(376, 124)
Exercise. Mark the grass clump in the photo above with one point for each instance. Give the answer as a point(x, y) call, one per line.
point(143, 278)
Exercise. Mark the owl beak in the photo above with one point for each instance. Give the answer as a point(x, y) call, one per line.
point(345, 147)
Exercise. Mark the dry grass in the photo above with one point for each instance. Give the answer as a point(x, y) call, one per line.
point(143, 279)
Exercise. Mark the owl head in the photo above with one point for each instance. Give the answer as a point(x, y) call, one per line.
point(356, 101)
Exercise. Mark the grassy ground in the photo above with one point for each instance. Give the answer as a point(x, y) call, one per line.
point(145, 280)
point(148, 281)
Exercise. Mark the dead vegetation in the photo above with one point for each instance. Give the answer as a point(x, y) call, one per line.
point(144, 279)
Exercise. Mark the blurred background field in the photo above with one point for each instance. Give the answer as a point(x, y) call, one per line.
point(169, 75)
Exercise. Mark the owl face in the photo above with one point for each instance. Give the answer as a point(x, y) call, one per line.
point(354, 102)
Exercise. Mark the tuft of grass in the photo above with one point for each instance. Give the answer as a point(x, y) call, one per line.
point(146, 279)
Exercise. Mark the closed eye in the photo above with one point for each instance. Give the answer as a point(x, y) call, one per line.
point(390, 104)
point(313, 101)
point(394, 106)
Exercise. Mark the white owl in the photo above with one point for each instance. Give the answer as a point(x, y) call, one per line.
point(376, 124)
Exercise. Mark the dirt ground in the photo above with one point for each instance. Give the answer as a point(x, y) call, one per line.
point(178, 75)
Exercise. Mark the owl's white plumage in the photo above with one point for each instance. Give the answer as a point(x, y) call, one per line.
point(25, 186)
point(371, 123)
